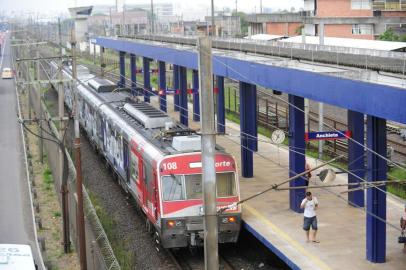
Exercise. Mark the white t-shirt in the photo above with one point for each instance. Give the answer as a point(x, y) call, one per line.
point(309, 210)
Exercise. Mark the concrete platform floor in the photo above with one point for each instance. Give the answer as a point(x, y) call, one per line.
point(341, 226)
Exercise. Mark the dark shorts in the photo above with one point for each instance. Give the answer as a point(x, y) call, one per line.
point(310, 221)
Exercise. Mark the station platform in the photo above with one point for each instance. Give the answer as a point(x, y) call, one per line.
point(268, 217)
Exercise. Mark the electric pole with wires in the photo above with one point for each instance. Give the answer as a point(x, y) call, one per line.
point(78, 162)
point(61, 159)
point(207, 123)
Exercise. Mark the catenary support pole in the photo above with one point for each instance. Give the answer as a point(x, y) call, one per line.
point(40, 113)
point(78, 164)
point(196, 99)
point(208, 155)
point(64, 185)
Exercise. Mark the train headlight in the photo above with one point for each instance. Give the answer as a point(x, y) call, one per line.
point(226, 220)
point(174, 224)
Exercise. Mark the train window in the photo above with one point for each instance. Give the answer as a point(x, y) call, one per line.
point(134, 168)
point(181, 187)
point(226, 184)
point(194, 189)
point(172, 186)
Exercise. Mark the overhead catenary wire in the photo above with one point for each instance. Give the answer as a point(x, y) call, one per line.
point(338, 195)
point(297, 108)
point(153, 93)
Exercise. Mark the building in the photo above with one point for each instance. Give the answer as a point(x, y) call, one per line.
point(361, 19)
point(130, 22)
point(226, 26)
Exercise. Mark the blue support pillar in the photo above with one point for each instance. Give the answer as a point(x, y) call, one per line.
point(162, 85)
point(176, 88)
point(356, 158)
point(133, 69)
point(196, 100)
point(296, 150)
point(376, 199)
point(248, 127)
point(147, 79)
point(183, 96)
point(121, 81)
point(221, 114)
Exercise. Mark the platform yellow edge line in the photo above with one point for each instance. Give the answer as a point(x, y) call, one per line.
point(287, 238)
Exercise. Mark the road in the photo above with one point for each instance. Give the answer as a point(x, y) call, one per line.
point(16, 220)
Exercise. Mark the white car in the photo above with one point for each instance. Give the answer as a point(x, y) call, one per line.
point(7, 73)
point(14, 257)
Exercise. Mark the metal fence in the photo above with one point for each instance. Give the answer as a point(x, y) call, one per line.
point(100, 255)
point(367, 59)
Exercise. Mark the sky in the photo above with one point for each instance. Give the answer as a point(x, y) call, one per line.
point(60, 6)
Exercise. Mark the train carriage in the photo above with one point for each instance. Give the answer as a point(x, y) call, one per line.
point(156, 160)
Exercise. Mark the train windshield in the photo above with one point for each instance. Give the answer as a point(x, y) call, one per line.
point(189, 187)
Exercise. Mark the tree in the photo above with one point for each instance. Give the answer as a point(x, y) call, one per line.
point(244, 22)
point(389, 35)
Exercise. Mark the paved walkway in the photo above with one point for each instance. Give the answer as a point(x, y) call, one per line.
point(16, 220)
point(341, 227)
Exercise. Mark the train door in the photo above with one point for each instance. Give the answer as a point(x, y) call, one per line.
point(136, 175)
point(103, 133)
point(150, 188)
point(155, 194)
point(126, 161)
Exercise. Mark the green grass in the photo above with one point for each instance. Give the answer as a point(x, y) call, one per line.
point(395, 188)
point(48, 180)
point(124, 256)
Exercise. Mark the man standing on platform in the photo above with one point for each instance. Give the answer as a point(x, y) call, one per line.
point(310, 205)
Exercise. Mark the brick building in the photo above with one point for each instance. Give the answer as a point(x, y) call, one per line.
point(362, 19)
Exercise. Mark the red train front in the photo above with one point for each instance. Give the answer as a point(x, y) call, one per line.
point(181, 199)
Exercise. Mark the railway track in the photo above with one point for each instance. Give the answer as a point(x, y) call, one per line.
point(185, 260)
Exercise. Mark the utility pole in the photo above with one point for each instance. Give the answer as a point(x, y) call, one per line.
point(213, 26)
point(207, 123)
point(78, 163)
point(123, 28)
point(41, 141)
point(61, 113)
point(152, 17)
point(260, 6)
point(111, 25)
point(28, 79)
point(236, 6)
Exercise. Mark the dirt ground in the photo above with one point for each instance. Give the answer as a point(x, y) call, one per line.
point(49, 207)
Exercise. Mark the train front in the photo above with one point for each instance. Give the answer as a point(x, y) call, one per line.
point(181, 193)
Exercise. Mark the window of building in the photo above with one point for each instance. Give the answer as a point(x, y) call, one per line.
point(362, 29)
point(361, 4)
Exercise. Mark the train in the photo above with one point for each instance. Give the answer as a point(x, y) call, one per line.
point(155, 159)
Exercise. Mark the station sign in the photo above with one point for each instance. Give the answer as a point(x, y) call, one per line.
point(327, 135)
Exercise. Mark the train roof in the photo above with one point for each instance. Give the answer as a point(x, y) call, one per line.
point(157, 127)
point(167, 135)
